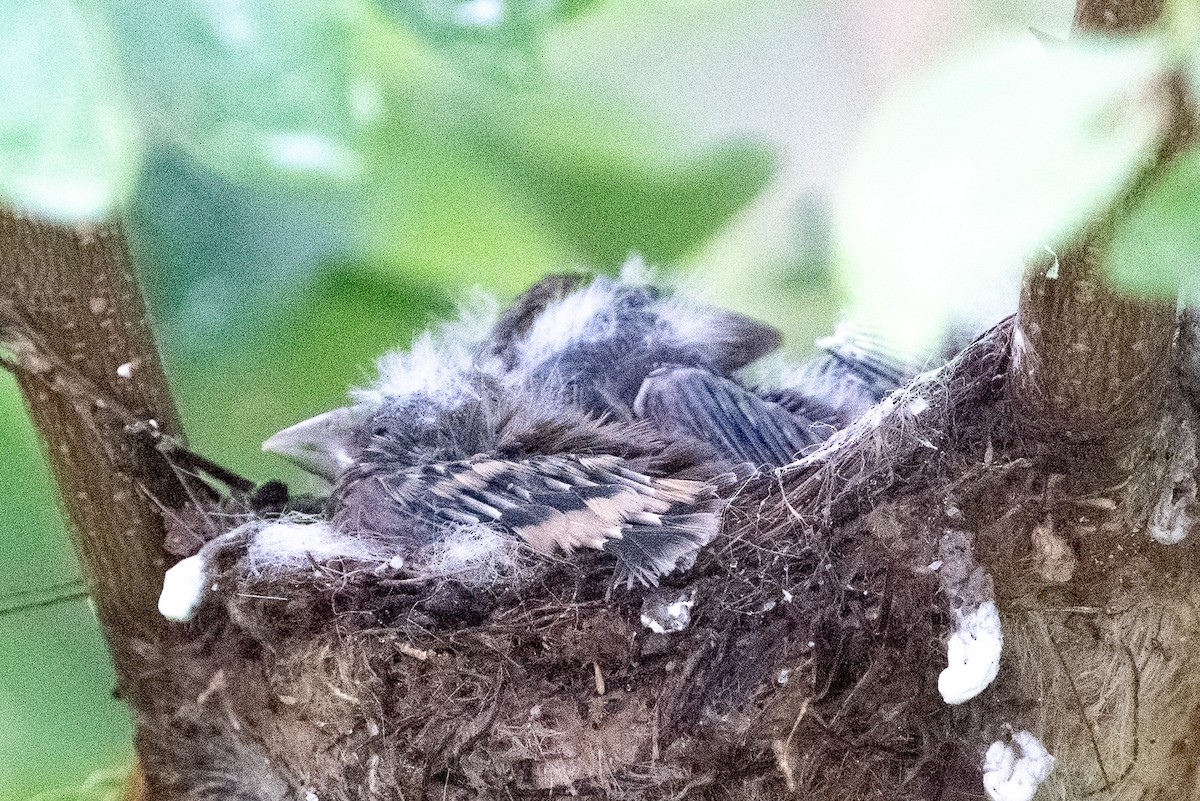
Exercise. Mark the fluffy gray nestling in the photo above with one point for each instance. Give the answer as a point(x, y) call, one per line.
point(601, 414)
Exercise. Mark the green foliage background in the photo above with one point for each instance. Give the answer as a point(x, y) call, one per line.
point(309, 183)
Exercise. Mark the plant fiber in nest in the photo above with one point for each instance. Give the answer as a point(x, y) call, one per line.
point(810, 665)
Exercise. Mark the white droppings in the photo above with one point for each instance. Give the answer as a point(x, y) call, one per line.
point(680, 610)
point(183, 589)
point(1175, 513)
point(787, 597)
point(666, 617)
point(125, 370)
point(306, 151)
point(1052, 271)
point(917, 405)
point(1013, 770)
point(935, 565)
point(783, 676)
point(973, 653)
point(1169, 529)
point(311, 796)
point(396, 562)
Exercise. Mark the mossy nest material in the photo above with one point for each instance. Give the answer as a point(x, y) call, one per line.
point(809, 668)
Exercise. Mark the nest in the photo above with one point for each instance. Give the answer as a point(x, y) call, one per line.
point(809, 666)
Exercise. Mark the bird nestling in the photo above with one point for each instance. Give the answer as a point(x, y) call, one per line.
point(596, 413)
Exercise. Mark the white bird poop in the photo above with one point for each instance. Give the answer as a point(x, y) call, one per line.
point(973, 653)
point(1012, 771)
point(663, 616)
point(183, 588)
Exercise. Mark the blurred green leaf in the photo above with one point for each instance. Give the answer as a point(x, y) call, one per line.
point(226, 253)
point(1156, 246)
point(569, 9)
point(495, 23)
point(255, 88)
point(103, 785)
point(68, 146)
point(609, 209)
point(614, 183)
point(442, 214)
point(996, 157)
point(512, 187)
point(34, 551)
point(58, 717)
point(463, 177)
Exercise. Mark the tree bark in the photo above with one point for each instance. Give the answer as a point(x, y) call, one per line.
point(73, 320)
point(1090, 364)
point(1116, 17)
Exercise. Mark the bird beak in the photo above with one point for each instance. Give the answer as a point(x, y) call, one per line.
point(322, 445)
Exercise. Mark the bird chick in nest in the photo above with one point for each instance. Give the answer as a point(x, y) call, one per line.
point(596, 413)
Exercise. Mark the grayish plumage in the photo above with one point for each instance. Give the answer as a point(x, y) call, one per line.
point(594, 414)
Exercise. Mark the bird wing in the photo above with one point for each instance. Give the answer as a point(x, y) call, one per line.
point(735, 340)
point(742, 426)
point(516, 321)
point(594, 342)
point(554, 504)
point(856, 372)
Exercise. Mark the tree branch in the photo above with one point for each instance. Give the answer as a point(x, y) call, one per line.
point(1116, 16)
point(1090, 364)
point(74, 323)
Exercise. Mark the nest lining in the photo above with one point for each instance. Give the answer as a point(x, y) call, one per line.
point(818, 628)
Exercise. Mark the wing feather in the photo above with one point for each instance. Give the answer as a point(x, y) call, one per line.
point(722, 413)
point(554, 504)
